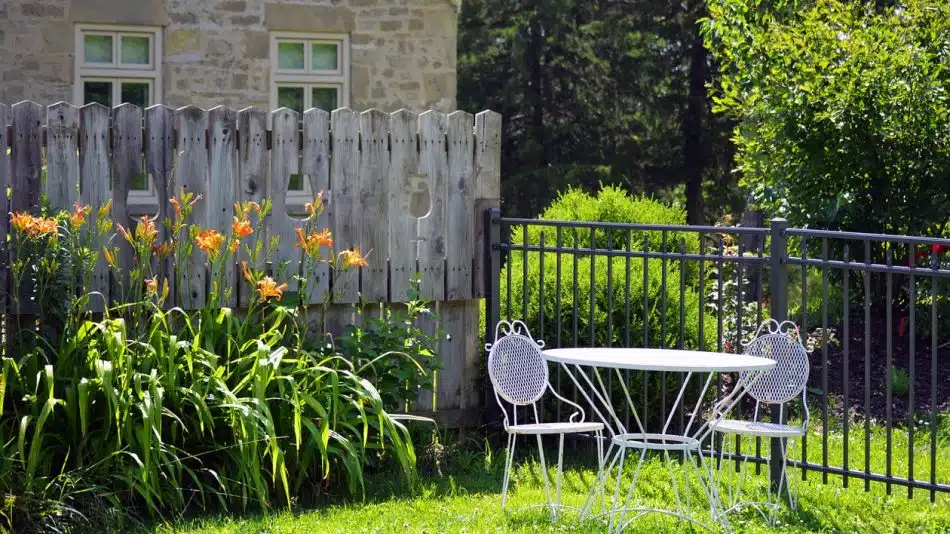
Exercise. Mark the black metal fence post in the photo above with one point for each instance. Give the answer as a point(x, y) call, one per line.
point(492, 298)
point(779, 311)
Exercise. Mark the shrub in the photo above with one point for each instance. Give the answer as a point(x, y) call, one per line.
point(610, 319)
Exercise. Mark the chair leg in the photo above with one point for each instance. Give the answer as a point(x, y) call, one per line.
point(560, 471)
point(544, 475)
point(509, 458)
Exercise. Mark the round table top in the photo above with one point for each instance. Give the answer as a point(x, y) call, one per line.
point(659, 359)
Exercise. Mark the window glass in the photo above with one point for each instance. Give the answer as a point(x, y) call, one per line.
point(295, 183)
point(135, 93)
point(291, 98)
point(290, 56)
point(97, 48)
point(135, 50)
point(139, 182)
point(99, 92)
point(325, 98)
point(323, 56)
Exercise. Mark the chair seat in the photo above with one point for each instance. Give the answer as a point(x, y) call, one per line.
point(754, 428)
point(555, 428)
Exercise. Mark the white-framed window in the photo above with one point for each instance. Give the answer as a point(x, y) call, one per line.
point(308, 71)
point(115, 65)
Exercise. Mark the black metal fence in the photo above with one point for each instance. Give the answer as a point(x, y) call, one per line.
point(871, 307)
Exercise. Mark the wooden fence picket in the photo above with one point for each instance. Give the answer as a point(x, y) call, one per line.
point(159, 164)
point(315, 167)
point(126, 167)
point(222, 188)
point(459, 206)
point(487, 185)
point(62, 155)
point(252, 172)
point(27, 153)
point(345, 187)
point(374, 203)
point(26, 179)
point(407, 190)
point(4, 219)
point(95, 180)
point(434, 165)
point(284, 163)
point(191, 175)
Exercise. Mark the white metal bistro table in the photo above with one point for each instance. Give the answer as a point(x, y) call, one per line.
point(687, 441)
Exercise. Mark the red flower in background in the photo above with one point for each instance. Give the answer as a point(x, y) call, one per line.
point(935, 249)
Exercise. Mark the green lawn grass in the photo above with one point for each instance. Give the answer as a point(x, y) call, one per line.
point(466, 498)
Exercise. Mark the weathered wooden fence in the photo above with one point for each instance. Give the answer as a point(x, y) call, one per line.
point(410, 188)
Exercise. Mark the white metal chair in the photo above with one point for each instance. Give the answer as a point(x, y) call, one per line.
point(519, 376)
point(778, 386)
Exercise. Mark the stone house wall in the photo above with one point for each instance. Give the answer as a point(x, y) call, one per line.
point(402, 52)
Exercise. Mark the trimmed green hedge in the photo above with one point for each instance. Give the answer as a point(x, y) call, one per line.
point(615, 310)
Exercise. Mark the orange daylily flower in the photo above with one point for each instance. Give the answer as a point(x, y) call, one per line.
point(314, 208)
point(244, 209)
point(125, 233)
point(78, 217)
point(305, 243)
point(210, 241)
point(269, 288)
point(42, 226)
point(146, 229)
point(353, 258)
point(247, 273)
point(151, 286)
point(21, 221)
point(174, 202)
point(110, 258)
point(234, 246)
point(324, 237)
point(311, 243)
point(162, 250)
point(242, 227)
point(105, 209)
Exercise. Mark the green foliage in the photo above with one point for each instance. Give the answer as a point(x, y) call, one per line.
point(592, 92)
point(611, 321)
point(900, 381)
point(392, 351)
point(842, 109)
point(147, 407)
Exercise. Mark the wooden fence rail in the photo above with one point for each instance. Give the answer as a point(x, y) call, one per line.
point(408, 187)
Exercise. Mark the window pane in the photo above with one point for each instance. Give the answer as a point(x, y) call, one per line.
point(295, 183)
point(323, 56)
point(291, 98)
point(99, 92)
point(290, 55)
point(135, 50)
point(97, 48)
point(324, 98)
point(135, 93)
point(139, 182)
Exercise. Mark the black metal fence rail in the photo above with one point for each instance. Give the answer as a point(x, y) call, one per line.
point(709, 287)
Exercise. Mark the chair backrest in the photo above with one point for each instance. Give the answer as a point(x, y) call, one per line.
point(516, 367)
point(782, 343)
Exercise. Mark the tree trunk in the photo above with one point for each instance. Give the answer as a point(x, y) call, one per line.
point(693, 150)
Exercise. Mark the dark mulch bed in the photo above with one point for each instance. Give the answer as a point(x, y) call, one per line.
point(873, 357)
